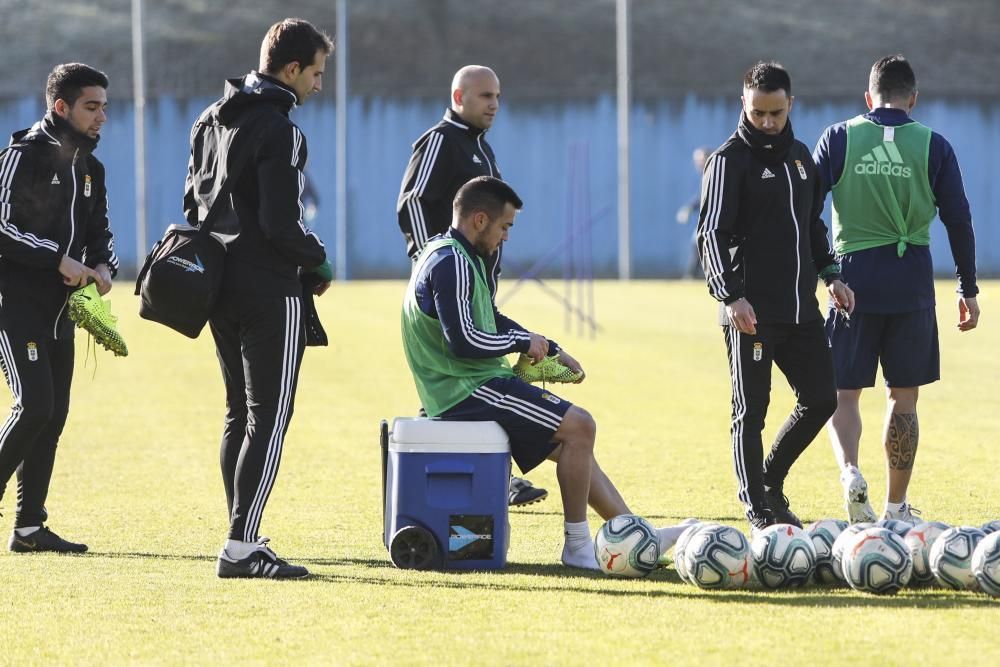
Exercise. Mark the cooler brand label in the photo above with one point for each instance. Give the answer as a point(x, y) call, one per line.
point(470, 537)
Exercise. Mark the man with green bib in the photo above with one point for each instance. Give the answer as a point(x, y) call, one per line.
point(455, 341)
point(890, 177)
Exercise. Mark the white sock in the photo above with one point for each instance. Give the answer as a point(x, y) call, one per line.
point(894, 508)
point(26, 530)
point(236, 550)
point(578, 550)
point(669, 534)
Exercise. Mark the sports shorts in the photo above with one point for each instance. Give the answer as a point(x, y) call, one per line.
point(529, 414)
point(906, 344)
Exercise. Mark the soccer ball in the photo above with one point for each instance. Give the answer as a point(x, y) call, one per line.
point(986, 564)
point(627, 546)
point(990, 526)
point(717, 557)
point(877, 561)
point(951, 557)
point(783, 556)
point(823, 534)
point(837, 552)
point(680, 547)
point(920, 539)
point(901, 528)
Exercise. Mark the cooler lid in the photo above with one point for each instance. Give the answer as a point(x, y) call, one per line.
point(434, 435)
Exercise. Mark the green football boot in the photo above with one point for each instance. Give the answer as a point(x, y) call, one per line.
point(549, 369)
point(93, 314)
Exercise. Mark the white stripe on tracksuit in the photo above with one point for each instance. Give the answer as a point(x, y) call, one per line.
point(711, 257)
point(14, 381)
point(7, 169)
point(518, 406)
point(418, 226)
point(476, 337)
point(293, 325)
point(739, 412)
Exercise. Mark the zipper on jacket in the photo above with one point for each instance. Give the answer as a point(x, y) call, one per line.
point(485, 156)
point(72, 233)
point(798, 255)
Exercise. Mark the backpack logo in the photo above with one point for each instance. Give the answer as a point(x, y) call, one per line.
point(189, 267)
point(86, 185)
point(883, 160)
point(767, 173)
point(55, 180)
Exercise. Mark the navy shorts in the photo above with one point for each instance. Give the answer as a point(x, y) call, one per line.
point(905, 343)
point(530, 415)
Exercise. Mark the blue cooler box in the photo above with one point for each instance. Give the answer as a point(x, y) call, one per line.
point(450, 481)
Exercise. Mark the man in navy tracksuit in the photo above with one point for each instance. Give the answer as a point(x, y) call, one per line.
point(258, 322)
point(762, 245)
point(890, 176)
point(445, 158)
point(54, 237)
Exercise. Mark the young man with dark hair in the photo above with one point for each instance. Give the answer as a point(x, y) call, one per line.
point(763, 244)
point(54, 237)
point(272, 260)
point(455, 341)
point(890, 176)
point(444, 158)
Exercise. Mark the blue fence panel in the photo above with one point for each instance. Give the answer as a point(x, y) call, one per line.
point(561, 158)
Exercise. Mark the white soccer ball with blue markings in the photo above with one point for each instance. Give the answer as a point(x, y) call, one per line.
point(920, 539)
point(986, 564)
point(951, 557)
point(823, 534)
point(837, 553)
point(681, 545)
point(627, 546)
point(717, 557)
point(990, 526)
point(783, 556)
point(877, 561)
point(901, 528)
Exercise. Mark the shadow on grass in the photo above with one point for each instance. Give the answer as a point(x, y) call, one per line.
point(651, 517)
point(202, 558)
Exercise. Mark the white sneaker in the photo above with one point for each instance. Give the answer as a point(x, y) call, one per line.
point(859, 510)
point(907, 513)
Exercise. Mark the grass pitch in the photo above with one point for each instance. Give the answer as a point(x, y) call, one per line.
point(137, 478)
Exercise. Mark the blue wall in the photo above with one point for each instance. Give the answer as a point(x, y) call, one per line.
point(560, 157)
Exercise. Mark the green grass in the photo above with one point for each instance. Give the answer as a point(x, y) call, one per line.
point(137, 478)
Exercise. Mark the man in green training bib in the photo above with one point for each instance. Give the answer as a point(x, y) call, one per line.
point(455, 341)
point(890, 176)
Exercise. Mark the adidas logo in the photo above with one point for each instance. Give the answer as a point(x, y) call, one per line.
point(767, 173)
point(55, 179)
point(884, 160)
point(475, 158)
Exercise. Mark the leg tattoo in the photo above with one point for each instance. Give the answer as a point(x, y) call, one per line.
point(901, 441)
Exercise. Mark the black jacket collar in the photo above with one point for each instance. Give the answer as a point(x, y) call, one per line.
point(53, 129)
point(454, 119)
point(251, 89)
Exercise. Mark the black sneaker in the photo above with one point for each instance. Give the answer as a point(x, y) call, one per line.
point(777, 502)
point(262, 563)
point(43, 539)
point(759, 519)
point(523, 492)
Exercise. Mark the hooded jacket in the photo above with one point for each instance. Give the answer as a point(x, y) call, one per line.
point(760, 234)
point(53, 202)
point(266, 239)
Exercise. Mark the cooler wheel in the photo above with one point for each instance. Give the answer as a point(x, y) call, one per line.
point(414, 548)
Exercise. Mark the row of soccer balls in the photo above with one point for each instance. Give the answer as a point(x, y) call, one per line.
point(877, 557)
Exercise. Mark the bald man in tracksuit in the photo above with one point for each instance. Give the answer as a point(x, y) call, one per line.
point(762, 245)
